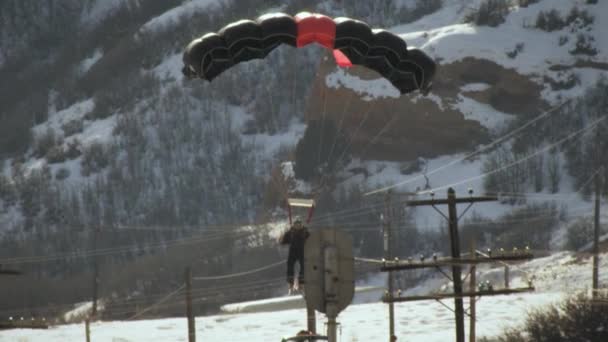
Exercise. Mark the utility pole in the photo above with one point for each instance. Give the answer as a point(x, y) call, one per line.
point(456, 271)
point(189, 313)
point(95, 273)
point(472, 288)
point(391, 266)
point(452, 218)
point(311, 319)
point(596, 232)
point(455, 261)
point(388, 256)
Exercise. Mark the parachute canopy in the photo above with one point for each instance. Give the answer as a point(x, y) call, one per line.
point(353, 43)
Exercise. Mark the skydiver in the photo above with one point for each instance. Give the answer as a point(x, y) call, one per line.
point(295, 237)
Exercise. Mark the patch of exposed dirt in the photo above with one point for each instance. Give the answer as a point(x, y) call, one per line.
point(396, 129)
point(413, 126)
point(508, 91)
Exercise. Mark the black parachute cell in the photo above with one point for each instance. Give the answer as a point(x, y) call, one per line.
point(427, 69)
point(277, 29)
point(407, 77)
point(386, 52)
point(413, 73)
point(206, 57)
point(354, 38)
point(244, 40)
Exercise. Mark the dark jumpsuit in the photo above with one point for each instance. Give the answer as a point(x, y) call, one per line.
point(295, 238)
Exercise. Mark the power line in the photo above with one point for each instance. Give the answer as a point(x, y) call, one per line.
point(240, 274)
point(546, 148)
point(164, 299)
point(346, 212)
point(472, 154)
point(115, 250)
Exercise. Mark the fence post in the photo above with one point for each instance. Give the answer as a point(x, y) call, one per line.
point(189, 313)
point(87, 330)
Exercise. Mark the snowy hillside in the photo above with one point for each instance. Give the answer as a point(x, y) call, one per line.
point(543, 55)
point(441, 34)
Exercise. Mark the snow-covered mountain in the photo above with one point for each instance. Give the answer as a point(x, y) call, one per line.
point(99, 129)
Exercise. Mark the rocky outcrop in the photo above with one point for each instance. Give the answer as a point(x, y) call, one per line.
point(508, 91)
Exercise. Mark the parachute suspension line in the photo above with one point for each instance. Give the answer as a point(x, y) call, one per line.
point(346, 105)
point(322, 125)
point(371, 142)
point(282, 187)
point(365, 117)
point(338, 161)
point(350, 140)
point(295, 81)
point(336, 138)
point(310, 213)
point(382, 131)
point(273, 112)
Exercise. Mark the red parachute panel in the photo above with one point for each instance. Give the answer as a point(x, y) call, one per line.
point(341, 59)
point(315, 28)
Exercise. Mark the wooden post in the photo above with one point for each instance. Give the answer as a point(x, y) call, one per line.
point(506, 276)
point(388, 254)
point(472, 288)
point(456, 270)
point(311, 319)
point(87, 330)
point(189, 313)
point(95, 274)
point(332, 335)
point(596, 234)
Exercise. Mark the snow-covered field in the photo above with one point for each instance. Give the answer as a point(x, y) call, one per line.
point(555, 276)
point(418, 321)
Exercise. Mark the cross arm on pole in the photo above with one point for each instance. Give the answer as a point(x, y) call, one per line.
point(456, 200)
point(449, 308)
point(439, 296)
point(444, 274)
point(449, 261)
point(465, 211)
point(441, 213)
point(10, 272)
